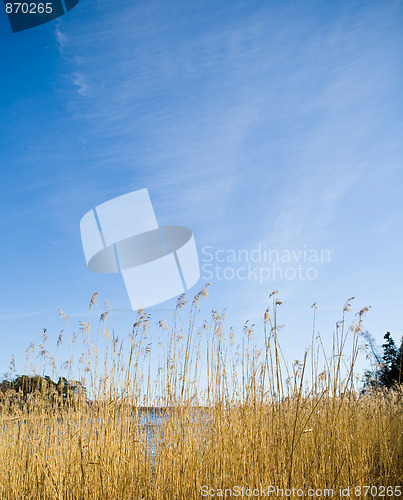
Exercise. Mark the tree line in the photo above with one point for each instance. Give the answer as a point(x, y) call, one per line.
point(25, 385)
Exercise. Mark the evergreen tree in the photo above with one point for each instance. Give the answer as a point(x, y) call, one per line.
point(389, 368)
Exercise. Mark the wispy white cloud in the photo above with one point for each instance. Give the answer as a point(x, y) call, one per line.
point(79, 80)
point(61, 38)
point(11, 316)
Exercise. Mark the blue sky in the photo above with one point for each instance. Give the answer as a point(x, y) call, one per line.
point(276, 123)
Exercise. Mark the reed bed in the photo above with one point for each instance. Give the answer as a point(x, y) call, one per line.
point(184, 412)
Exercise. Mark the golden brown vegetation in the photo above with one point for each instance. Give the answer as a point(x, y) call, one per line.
point(209, 415)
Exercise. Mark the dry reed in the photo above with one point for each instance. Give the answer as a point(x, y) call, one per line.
point(209, 415)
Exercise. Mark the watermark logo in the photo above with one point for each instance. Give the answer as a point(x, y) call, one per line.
point(157, 263)
point(261, 263)
point(26, 15)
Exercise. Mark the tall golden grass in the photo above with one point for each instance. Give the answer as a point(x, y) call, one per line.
point(210, 419)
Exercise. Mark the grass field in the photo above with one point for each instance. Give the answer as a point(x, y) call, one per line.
point(218, 420)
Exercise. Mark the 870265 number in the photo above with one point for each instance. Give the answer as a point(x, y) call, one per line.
point(378, 491)
point(28, 8)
